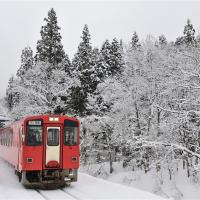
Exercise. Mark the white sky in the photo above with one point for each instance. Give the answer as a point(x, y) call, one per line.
point(21, 21)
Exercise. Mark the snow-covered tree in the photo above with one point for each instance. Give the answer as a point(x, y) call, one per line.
point(116, 65)
point(12, 96)
point(162, 40)
point(84, 68)
point(135, 41)
point(189, 34)
point(27, 61)
point(188, 37)
point(49, 47)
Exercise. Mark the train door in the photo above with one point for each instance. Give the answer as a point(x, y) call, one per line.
point(53, 146)
point(21, 140)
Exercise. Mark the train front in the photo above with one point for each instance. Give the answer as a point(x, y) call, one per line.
point(50, 151)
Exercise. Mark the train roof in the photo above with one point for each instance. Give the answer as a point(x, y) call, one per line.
point(43, 117)
point(47, 116)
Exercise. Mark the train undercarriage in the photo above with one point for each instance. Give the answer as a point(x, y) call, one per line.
point(48, 179)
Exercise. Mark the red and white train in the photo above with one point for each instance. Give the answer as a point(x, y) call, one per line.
point(45, 149)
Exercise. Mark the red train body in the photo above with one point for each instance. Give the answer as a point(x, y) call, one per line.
point(45, 149)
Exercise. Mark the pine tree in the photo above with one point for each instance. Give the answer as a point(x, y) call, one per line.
point(49, 48)
point(179, 41)
point(78, 101)
point(66, 66)
point(82, 61)
point(189, 34)
point(12, 97)
point(112, 57)
point(27, 61)
point(135, 44)
point(117, 62)
point(106, 55)
point(162, 40)
point(99, 68)
point(82, 64)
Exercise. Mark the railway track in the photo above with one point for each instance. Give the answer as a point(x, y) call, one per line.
point(43, 196)
point(72, 195)
point(60, 194)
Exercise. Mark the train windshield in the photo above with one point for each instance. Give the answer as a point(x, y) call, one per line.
point(34, 135)
point(71, 133)
point(71, 136)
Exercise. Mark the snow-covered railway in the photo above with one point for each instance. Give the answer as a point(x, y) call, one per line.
point(60, 193)
point(87, 187)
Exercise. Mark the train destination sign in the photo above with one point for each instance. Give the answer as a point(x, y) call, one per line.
point(35, 123)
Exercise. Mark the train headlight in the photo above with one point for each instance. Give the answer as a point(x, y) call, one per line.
point(71, 173)
point(54, 119)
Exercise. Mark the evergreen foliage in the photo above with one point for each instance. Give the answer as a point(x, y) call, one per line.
point(188, 37)
point(179, 41)
point(162, 40)
point(135, 44)
point(116, 58)
point(27, 62)
point(12, 96)
point(50, 48)
point(82, 64)
point(106, 56)
point(189, 34)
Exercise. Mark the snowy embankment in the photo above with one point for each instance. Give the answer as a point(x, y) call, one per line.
point(180, 187)
point(87, 187)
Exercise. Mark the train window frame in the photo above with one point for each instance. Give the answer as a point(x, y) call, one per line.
point(57, 139)
point(71, 125)
point(27, 143)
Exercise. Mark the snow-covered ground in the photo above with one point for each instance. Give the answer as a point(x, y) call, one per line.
point(87, 187)
point(179, 188)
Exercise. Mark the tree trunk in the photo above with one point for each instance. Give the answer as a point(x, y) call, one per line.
point(110, 162)
point(138, 120)
point(188, 167)
point(158, 121)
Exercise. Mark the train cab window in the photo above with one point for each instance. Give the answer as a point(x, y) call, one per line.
point(53, 136)
point(34, 135)
point(71, 136)
point(70, 133)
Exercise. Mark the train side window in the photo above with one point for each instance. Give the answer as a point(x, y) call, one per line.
point(34, 136)
point(71, 136)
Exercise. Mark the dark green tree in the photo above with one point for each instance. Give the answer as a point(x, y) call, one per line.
point(189, 34)
point(12, 96)
point(106, 55)
point(50, 48)
point(179, 41)
point(82, 64)
point(188, 37)
point(162, 40)
point(135, 44)
point(117, 62)
point(27, 62)
point(112, 57)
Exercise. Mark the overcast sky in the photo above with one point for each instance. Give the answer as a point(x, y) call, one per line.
point(20, 24)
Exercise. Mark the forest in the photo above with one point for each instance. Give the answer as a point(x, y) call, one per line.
point(139, 103)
